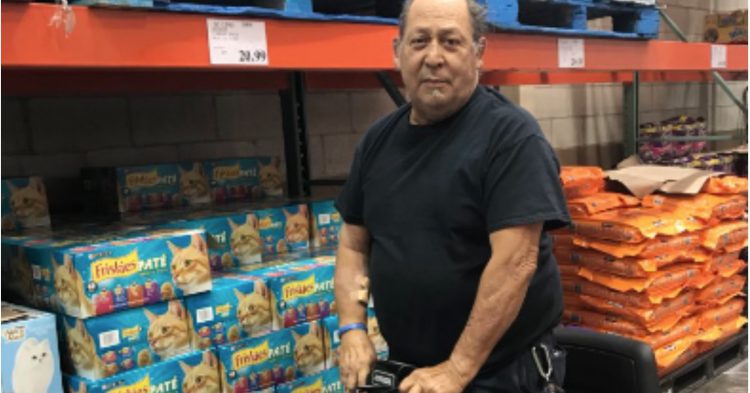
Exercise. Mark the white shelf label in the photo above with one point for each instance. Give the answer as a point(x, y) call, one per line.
point(237, 42)
point(718, 56)
point(571, 53)
point(324, 219)
point(205, 314)
point(109, 339)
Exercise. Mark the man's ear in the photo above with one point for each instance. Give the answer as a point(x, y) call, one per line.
point(396, 61)
point(481, 45)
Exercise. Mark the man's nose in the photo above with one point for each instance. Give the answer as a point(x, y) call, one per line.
point(434, 56)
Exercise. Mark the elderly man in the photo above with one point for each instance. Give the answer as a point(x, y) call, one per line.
point(446, 211)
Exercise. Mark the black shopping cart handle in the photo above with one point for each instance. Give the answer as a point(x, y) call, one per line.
point(386, 376)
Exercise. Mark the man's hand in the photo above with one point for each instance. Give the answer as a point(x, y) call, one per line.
point(356, 358)
point(443, 378)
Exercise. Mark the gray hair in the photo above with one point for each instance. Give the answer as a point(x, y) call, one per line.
point(477, 14)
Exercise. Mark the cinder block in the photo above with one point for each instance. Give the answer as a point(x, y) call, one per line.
point(15, 133)
point(339, 151)
point(721, 97)
point(603, 99)
point(546, 126)
point(245, 116)
point(270, 147)
point(602, 130)
point(12, 166)
point(173, 119)
point(558, 102)
point(132, 156)
point(53, 165)
point(328, 113)
point(214, 150)
point(317, 156)
point(368, 106)
point(728, 118)
point(696, 22)
point(64, 125)
point(645, 97)
point(568, 132)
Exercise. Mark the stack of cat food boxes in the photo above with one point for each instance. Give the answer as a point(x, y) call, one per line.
point(664, 269)
point(119, 297)
point(193, 292)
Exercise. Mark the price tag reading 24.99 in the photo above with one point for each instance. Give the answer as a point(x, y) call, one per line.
point(237, 42)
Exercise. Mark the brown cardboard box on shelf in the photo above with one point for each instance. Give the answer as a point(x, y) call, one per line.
point(642, 180)
point(726, 27)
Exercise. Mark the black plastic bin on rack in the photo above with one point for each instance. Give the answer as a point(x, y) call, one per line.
point(605, 363)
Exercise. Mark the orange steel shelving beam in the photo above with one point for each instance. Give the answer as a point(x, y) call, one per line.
point(118, 49)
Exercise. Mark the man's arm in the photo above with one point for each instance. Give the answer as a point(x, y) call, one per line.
point(351, 266)
point(357, 353)
point(502, 289)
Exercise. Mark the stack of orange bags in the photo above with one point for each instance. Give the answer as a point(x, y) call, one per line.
point(664, 270)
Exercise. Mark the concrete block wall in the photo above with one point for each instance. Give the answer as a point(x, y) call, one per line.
point(55, 137)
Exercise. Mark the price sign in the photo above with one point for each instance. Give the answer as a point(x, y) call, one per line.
point(718, 56)
point(237, 42)
point(571, 53)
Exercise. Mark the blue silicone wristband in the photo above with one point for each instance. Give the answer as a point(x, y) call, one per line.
point(352, 326)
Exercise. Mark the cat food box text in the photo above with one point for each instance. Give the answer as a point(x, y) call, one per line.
point(257, 363)
point(326, 223)
point(29, 257)
point(195, 372)
point(279, 357)
point(236, 308)
point(30, 357)
point(284, 229)
point(301, 291)
point(101, 278)
point(110, 344)
point(328, 381)
point(333, 341)
point(147, 187)
point(233, 239)
point(234, 179)
point(24, 203)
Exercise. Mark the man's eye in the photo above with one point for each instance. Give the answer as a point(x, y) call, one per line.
point(453, 42)
point(419, 41)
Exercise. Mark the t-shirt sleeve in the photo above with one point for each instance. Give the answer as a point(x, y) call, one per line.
point(522, 186)
point(350, 202)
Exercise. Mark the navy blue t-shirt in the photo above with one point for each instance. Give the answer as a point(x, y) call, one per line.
point(430, 196)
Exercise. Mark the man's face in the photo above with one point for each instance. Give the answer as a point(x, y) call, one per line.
point(439, 62)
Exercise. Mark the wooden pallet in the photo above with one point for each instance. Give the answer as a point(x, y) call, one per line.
point(706, 366)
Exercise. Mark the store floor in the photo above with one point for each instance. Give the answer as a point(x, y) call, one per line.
point(733, 380)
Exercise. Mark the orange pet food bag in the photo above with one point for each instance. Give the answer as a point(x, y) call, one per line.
point(673, 246)
point(660, 283)
point(627, 299)
point(686, 327)
point(728, 236)
point(706, 207)
point(625, 267)
point(601, 202)
point(607, 323)
point(719, 315)
point(726, 185)
point(722, 289)
point(677, 307)
point(633, 225)
point(669, 354)
point(581, 181)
